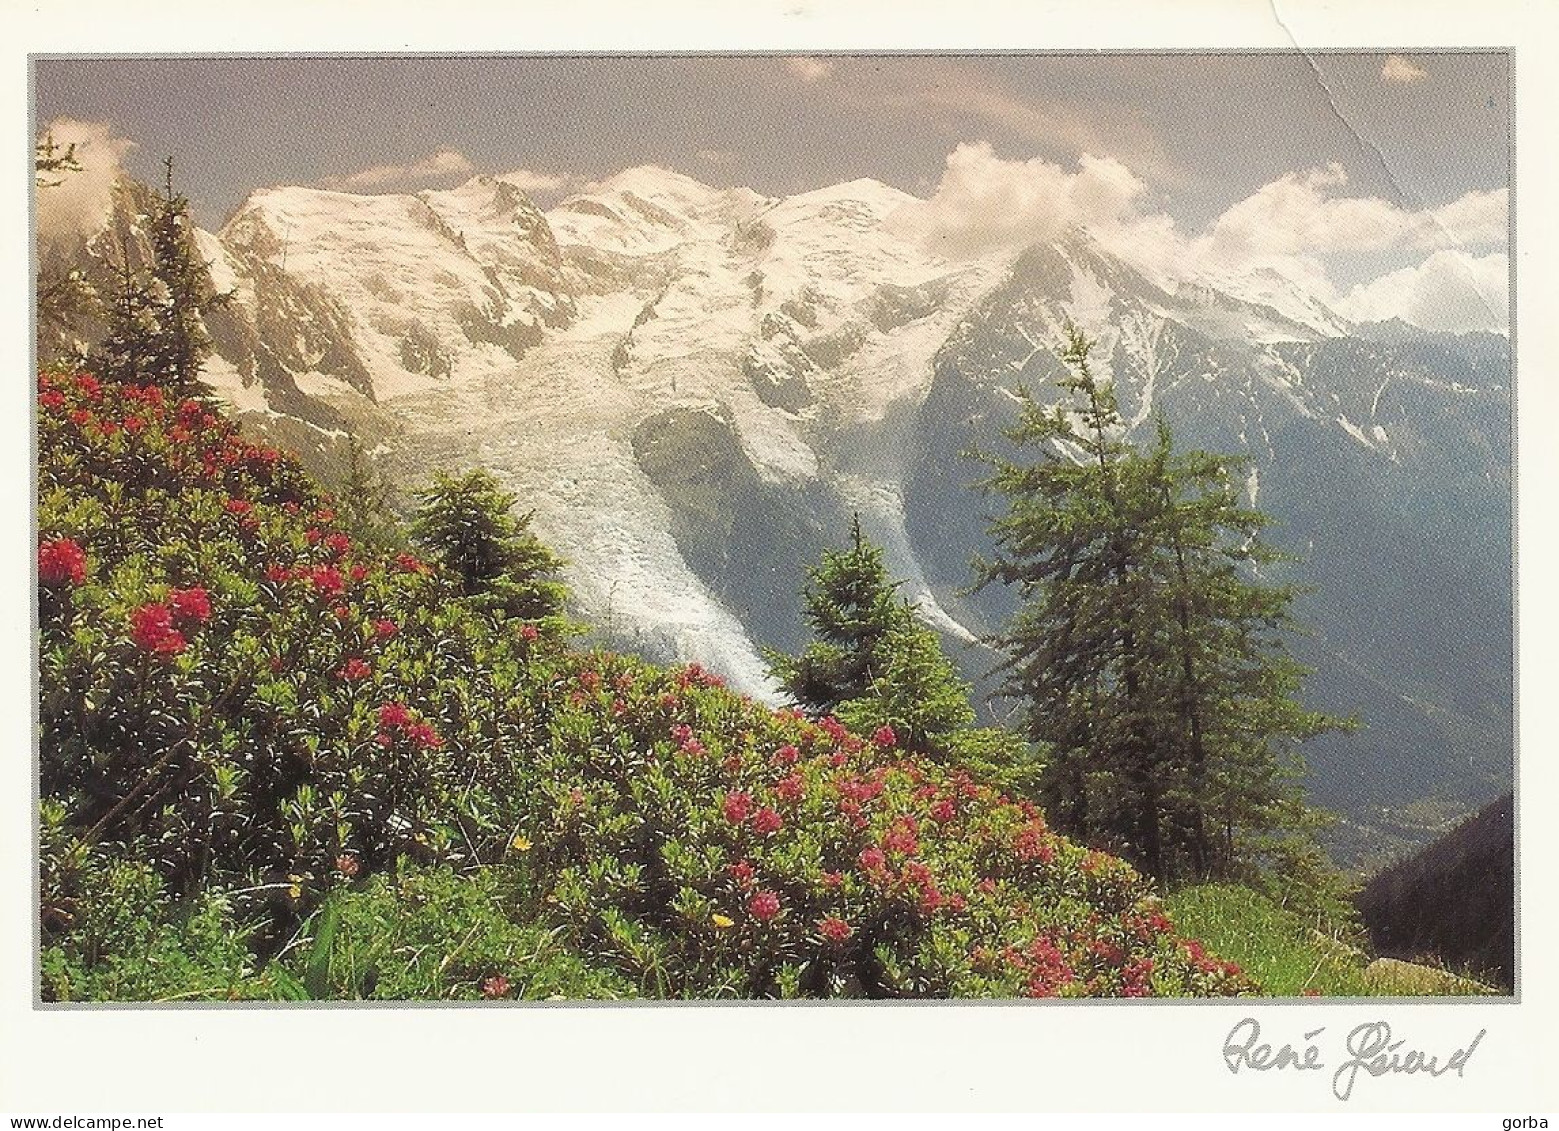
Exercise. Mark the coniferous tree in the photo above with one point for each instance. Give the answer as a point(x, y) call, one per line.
point(62, 299)
point(364, 501)
point(468, 524)
point(872, 663)
point(1147, 652)
point(156, 316)
point(853, 611)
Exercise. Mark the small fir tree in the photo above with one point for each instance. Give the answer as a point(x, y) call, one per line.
point(853, 612)
point(468, 524)
point(873, 664)
point(364, 501)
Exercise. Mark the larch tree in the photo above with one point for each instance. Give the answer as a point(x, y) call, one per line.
point(1147, 649)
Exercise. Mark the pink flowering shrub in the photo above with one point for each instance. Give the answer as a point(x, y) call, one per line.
point(238, 696)
point(777, 857)
point(216, 660)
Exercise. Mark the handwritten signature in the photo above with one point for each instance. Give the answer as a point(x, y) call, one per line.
point(1370, 1048)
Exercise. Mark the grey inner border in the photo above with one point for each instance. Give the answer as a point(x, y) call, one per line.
point(1515, 998)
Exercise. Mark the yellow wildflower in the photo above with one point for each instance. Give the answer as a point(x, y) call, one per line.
point(520, 843)
point(721, 922)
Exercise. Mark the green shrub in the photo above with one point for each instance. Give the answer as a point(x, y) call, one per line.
point(237, 698)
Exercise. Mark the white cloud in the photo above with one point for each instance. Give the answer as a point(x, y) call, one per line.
point(1450, 290)
point(986, 204)
point(1396, 69)
point(1300, 213)
point(444, 163)
point(80, 203)
point(1295, 228)
point(809, 68)
point(537, 183)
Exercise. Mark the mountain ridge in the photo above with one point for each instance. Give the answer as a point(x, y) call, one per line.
point(695, 388)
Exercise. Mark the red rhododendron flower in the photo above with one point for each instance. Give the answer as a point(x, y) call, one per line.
point(151, 628)
point(384, 629)
point(872, 859)
point(736, 807)
point(190, 605)
point(327, 579)
point(766, 821)
point(89, 386)
point(278, 574)
point(81, 417)
point(347, 866)
point(832, 879)
point(355, 669)
point(833, 728)
point(834, 929)
point(789, 788)
point(61, 561)
point(764, 905)
point(741, 872)
point(943, 811)
point(134, 425)
point(52, 399)
point(902, 837)
point(394, 715)
point(338, 544)
point(358, 573)
point(496, 987)
point(788, 755)
point(529, 633)
point(423, 736)
point(410, 564)
point(884, 736)
point(239, 506)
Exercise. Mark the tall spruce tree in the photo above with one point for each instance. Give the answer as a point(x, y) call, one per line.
point(1147, 650)
point(156, 315)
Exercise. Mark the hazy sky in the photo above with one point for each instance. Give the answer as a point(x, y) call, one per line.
point(1356, 167)
point(1202, 130)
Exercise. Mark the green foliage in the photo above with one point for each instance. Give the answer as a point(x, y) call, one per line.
point(432, 933)
point(325, 771)
point(1146, 651)
point(468, 524)
point(114, 934)
point(156, 328)
point(706, 846)
point(1292, 957)
point(873, 664)
point(1285, 952)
